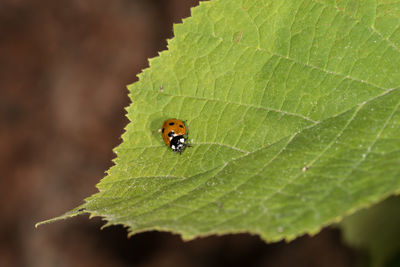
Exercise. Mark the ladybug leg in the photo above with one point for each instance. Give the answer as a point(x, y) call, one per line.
point(187, 127)
point(187, 135)
point(187, 144)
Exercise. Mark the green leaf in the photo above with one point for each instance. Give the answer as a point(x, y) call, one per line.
point(293, 110)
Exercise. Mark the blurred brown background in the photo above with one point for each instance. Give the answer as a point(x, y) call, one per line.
point(64, 67)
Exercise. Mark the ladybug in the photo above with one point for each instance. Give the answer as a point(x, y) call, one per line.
point(174, 134)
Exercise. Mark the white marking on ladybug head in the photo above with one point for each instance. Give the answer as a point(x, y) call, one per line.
point(173, 146)
point(182, 140)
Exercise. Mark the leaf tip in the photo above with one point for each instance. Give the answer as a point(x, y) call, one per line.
point(69, 214)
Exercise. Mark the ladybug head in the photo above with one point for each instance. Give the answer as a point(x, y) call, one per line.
point(178, 143)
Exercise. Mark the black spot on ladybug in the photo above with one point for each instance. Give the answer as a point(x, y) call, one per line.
point(171, 123)
point(170, 134)
point(181, 126)
point(163, 130)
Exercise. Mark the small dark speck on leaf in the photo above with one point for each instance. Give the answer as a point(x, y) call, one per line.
point(239, 37)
